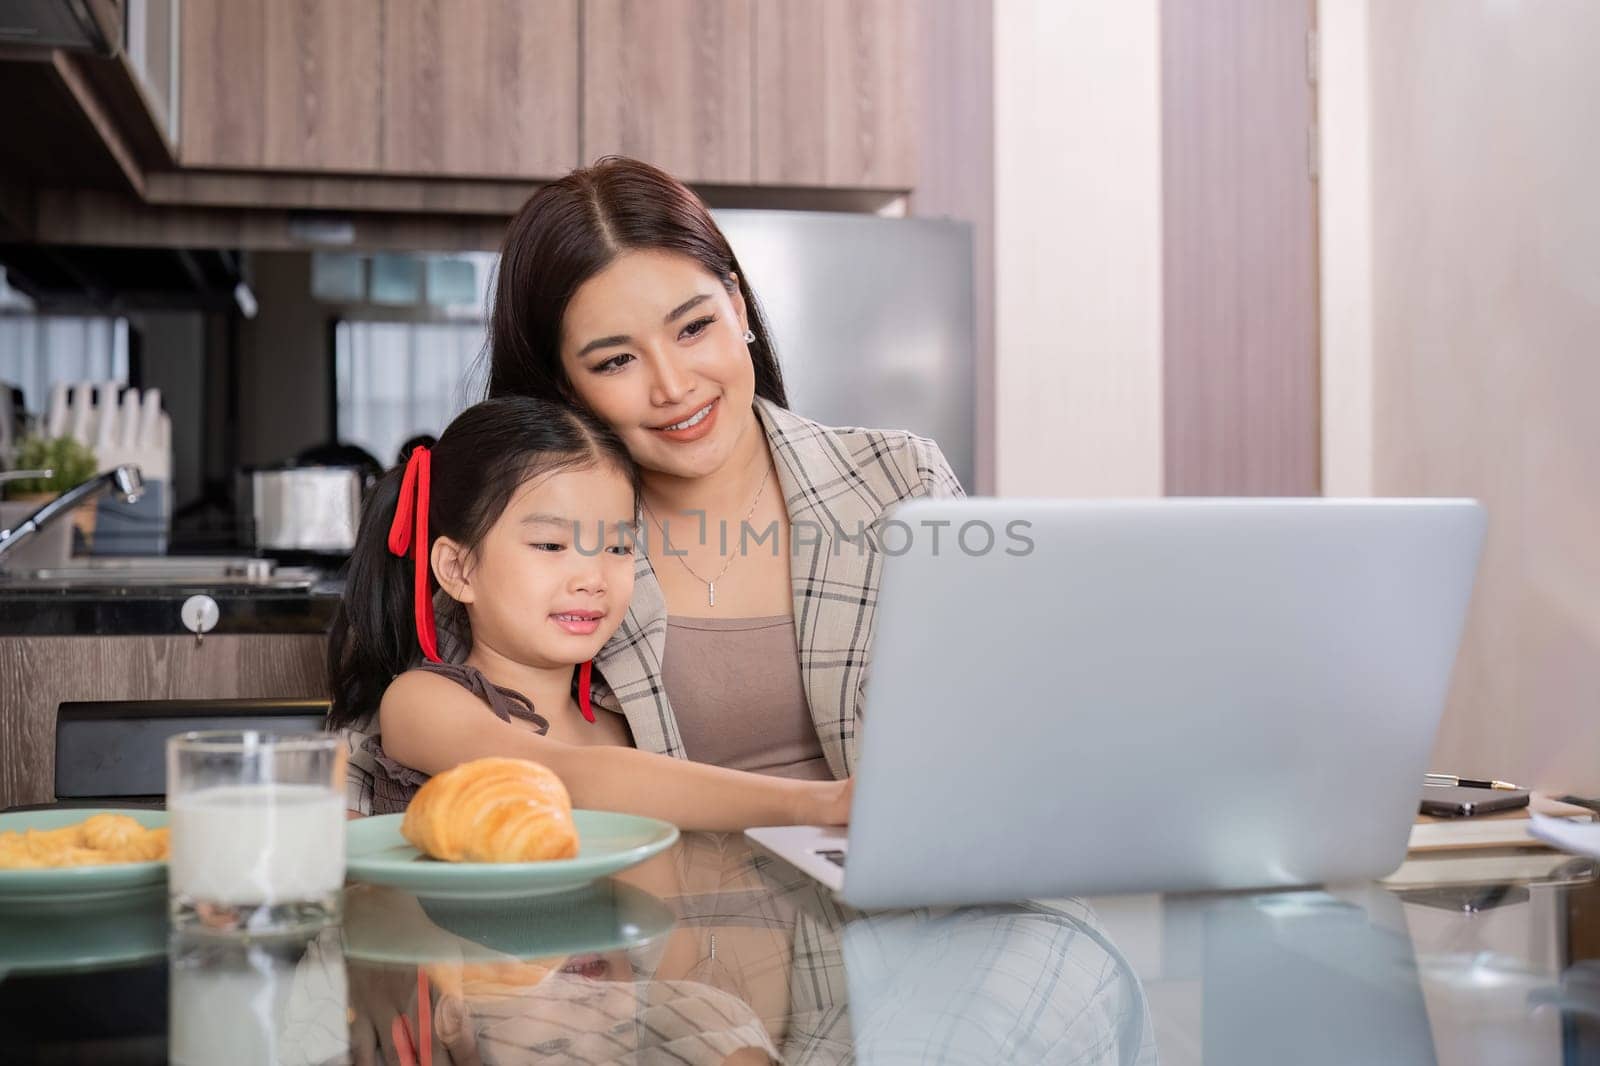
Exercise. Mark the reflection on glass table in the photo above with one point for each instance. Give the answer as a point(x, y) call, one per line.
point(1448, 968)
point(708, 953)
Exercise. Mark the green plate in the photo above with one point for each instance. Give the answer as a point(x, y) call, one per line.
point(607, 842)
point(71, 885)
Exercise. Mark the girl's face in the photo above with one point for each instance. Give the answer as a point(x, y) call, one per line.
point(654, 346)
point(550, 582)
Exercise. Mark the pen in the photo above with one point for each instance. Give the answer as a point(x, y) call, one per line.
point(1467, 782)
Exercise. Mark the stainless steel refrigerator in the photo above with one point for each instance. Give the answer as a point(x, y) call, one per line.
point(872, 319)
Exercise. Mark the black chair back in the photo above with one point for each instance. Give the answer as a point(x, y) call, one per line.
point(117, 750)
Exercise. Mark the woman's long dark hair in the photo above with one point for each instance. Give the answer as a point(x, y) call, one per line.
point(480, 461)
point(572, 229)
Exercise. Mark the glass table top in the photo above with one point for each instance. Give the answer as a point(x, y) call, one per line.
point(710, 953)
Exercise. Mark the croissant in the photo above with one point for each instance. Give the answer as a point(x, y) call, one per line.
point(492, 810)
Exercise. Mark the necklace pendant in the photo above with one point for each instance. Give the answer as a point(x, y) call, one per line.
point(711, 593)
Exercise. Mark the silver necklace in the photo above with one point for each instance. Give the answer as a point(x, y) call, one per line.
point(711, 585)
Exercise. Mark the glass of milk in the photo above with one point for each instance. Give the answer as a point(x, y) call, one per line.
point(257, 831)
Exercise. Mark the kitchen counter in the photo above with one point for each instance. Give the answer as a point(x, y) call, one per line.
point(65, 609)
point(102, 628)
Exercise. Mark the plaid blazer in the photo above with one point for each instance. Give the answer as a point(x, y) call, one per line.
point(837, 484)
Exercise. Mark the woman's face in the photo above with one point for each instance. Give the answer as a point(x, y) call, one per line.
point(654, 346)
point(550, 582)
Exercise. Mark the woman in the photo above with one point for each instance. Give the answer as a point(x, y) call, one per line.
point(750, 629)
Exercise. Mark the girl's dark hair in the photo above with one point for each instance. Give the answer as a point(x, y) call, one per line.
point(572, 229)
point(482, 458)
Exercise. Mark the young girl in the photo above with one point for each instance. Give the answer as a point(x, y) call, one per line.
point(524, 514)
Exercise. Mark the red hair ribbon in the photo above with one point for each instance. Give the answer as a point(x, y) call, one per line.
point(409, 532)
point(584, 705)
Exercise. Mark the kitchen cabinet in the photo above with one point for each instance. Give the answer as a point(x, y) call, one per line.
point(479, 88)
point(669, 81)
point(463, 88)
point(433, 108)
point(833, 94)
point(96, 119)
point(754, 92)
point(285, 85)
point(722, 92)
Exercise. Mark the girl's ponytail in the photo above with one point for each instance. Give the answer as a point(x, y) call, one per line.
point(374, 634)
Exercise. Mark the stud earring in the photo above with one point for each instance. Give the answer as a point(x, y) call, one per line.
point(749, 336)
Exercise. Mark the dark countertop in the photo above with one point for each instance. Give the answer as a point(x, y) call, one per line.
point(267, 607)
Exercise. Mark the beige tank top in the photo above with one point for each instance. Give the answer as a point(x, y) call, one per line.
point(736, 690)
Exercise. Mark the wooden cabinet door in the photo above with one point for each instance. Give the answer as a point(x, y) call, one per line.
point(669, 82)
point(280, 84)
point(833, 87)
point(480, 88)
point(477, 88)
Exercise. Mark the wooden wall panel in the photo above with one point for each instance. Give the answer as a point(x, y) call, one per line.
point(668, 81)
point(834, 97)
point(38, 674)
point(483, 88)
point(1485, 377)
point(1241, 393)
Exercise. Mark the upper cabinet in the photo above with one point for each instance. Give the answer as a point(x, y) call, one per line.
point(754, 92)
point(280, 84)
point(460, 88)
point(795, 93)
point(670, 81)
point(833, 87)
point(480, 88)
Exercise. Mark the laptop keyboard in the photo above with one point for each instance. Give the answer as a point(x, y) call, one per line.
point(834, 856)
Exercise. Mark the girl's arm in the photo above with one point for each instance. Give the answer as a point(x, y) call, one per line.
point(430, 723)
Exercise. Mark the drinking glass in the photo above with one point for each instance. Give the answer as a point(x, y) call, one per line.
point(257, 830)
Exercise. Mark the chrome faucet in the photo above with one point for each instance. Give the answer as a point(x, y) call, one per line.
point(124, 481)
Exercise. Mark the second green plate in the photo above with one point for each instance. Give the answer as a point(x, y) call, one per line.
point(607, 843)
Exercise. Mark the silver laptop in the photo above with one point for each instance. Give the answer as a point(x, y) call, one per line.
point(1157, 695)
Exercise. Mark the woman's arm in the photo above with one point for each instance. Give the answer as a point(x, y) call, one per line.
point(430, 723)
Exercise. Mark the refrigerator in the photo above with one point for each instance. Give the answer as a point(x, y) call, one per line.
point(872, 319)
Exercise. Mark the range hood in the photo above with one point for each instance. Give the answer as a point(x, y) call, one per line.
point(82, 25)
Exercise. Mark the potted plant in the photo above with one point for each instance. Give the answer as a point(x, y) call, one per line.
point(70, 463)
